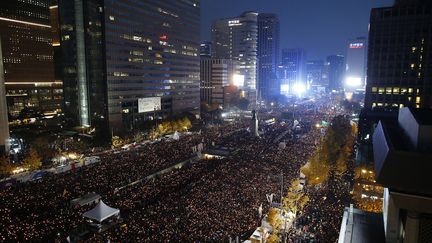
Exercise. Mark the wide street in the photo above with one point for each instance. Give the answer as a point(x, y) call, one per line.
point(209, 200)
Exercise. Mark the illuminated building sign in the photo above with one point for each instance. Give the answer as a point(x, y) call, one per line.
point(163, 37)
point(234, 23)
point(356, 45)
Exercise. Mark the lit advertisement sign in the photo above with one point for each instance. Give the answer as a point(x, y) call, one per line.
point(356, 45)
point(149, 104)
point(239, 80)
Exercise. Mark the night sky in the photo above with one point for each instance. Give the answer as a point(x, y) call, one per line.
point(321, 27)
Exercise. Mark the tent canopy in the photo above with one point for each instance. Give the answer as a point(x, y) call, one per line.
point(101, 212)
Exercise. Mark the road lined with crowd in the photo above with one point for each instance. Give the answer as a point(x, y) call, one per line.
point(209, 200)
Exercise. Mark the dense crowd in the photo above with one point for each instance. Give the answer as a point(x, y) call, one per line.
point(205, 201)
point(322, 217)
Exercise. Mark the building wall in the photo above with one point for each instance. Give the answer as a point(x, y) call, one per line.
point(82, 58)
point(355, 65)
point(152, 50)
point(314, 73)
point(399, 60)
point(336, 70)
point(268, 54)
point(28, 58)
point(215, 75)
point(293, 66)
point(4, 125)
point(205, 49)
point(236, 39)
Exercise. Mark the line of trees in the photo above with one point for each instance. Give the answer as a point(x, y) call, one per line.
point(164, 128)
point(293, 202)
point(334, 152)
point(31, 162)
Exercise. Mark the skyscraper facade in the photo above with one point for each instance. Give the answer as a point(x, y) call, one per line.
point(236, 39)
point(83, 63)
point(355, 74)
point(215, 75)
point(4, 124)
point(399, 71)
point(336, 70)
point(292, 68)
point(31, 88)
point(205, 49)
point(268, 55)
point(314, 74)
point(125, 51)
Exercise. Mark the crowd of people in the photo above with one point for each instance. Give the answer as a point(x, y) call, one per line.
point(208, 200)
point(321, 219)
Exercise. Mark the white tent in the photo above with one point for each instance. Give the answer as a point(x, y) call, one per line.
point(176, 136)
point(101, 212)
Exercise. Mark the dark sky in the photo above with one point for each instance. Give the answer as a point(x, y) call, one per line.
point(321, 27)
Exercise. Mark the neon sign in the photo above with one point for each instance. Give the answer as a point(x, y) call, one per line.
point(356, 45)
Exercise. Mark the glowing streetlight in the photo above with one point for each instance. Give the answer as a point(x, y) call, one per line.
point(299, 88)
point(353, 81)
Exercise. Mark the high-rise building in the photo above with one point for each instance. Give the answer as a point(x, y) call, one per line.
point(336, 70)
point(236, 39)
point(31, 88)
point(82, 53)
point(398, 69)
point(121, 55)
point(4, 124)
point(355, 74)
point(205, 49)
point(314, 74)
point(293, 68)
point(268, 55)
point(215, 75)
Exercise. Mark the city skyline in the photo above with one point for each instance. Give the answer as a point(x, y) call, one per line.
point(215, 121)
point(297, 28)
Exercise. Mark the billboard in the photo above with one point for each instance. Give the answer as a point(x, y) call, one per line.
point(357, 45)
point(239, 80)
point(149, 104)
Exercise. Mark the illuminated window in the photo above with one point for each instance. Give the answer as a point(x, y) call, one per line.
point(380, 90)
point(388, 90)
point(374, 104)
point(137, 53)
point(413, 49)
point(412, 66)
point(396, 90)
point(374, 89)
point(417, 106)
point(379, 104)
point(158, 55)
point(401, 106)
point(403, 90)
point(409, 98)
point(410, 90)
point(418, 99)
point(150, 48)
point(417, 91)
point(112, 18)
